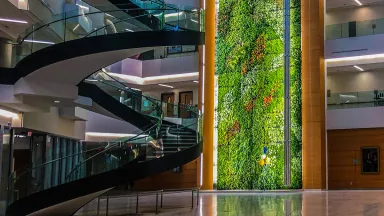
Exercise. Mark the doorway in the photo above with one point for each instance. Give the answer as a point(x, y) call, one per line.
point(185, 101)
point(168, 99)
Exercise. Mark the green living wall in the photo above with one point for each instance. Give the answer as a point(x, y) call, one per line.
point(250, 69)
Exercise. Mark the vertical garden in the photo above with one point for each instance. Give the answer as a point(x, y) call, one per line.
point(250, 69)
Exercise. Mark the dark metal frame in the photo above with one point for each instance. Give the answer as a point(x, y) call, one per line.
point(287, 93)
point(378, 159)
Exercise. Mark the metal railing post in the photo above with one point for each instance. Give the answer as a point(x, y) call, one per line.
point(98, 205)
point(198, 196)
point(161, 199)
point(192, 198)
point(137, 204)
point(157, 200)
point(65, 25)
point(106, 211)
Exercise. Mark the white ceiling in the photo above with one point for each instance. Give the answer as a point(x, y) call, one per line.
point(156, 87)
point(9, 11)
point(350, 68)
point(334, 4)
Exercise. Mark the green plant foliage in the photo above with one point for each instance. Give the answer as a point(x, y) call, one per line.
point(250, 67)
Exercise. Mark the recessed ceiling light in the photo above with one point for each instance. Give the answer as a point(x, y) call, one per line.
point(13, 20)
point(56, 101)
point(358, 2)
point(168, 86)
point(37, 41)
point(359, 68)
point(196, 81)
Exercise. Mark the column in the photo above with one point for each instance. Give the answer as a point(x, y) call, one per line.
point(313, 94)
point(209, 82)
point(5, 53)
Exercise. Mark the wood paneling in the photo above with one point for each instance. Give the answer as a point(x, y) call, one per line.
point(169, 180)
point(313, 94)
point(343, 147)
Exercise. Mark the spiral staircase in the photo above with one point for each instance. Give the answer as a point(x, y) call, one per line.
point(71, 53)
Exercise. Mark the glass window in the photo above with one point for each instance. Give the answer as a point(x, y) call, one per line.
point(63, 161)
point(70, 158)
point(48, 158)
point(56, 164)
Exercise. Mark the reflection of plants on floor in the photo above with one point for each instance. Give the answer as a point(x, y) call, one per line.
point(250, 65)
point(259, 204)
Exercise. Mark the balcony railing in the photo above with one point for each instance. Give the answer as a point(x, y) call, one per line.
point(355, 29)
point(356, 99)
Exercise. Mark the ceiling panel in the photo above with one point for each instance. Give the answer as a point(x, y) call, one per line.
point(351, 68)
point(333, 4)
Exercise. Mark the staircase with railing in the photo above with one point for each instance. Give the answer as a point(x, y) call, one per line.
point(159, 146)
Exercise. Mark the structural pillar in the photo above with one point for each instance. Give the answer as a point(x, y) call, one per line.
point(5, 53)
point(209, 82)
point(313, 94)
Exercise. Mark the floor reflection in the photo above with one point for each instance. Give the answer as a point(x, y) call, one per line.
point(311, 203)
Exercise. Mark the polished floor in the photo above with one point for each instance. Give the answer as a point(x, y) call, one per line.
point(309, 203)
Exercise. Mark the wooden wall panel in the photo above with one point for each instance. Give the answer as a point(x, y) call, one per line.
point(188, 178)
point(313, 94)
point(343, 147)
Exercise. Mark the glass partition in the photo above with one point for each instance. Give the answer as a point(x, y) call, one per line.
point(77, 24)
point(356, 99)
point(355, 29)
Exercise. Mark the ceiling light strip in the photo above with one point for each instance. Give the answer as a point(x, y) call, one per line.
point(13, 20)
point(358, 2)
point(354, 58)
point(359, 68)
point(168, 86)
point(142, 81)
point(37, 41)
point(83, 7)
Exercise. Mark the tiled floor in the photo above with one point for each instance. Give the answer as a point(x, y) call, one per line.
point(348, 203)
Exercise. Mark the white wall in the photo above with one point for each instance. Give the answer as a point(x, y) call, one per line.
point(354, 14)
point(52, 123)
point(193, 3)
point(371, 117)
point(354, 46)
point(157, 94)
point(103, 124)
point(355, 81)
